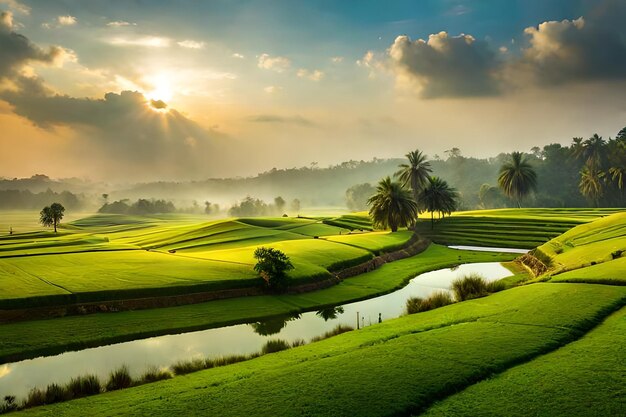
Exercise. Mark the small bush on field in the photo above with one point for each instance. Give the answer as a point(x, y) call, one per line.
point(468, 287)
point(83, 386)
point(154, 374)
point(119, 379)
point(436, 300)
point(340, 328)
point(276, 345)
point(185, 367)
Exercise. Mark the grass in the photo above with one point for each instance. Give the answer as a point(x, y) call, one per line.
point(510, 228)
point(436, 300)
point(164, 255)
point(583, 378)
point(588, 245)
point(28, 339)
point(373, 371)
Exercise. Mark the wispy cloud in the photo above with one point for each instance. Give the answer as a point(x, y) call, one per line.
point(16, 6)
point(67, 20)
point(189, 44)
point(274, 63)
point(314, 75)
point(272, 118)
point(145, 41)
point(238, 56)
point(120, 23)
point(272, 89)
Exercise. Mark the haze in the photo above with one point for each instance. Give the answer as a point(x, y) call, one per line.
point(160, 90)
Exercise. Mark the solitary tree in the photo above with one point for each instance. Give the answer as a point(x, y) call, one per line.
point(279, 202)
point(272, 264)
point(392, 206)
point(438, 197)
point(415, 173)
point(52, 215)
point(517, 177)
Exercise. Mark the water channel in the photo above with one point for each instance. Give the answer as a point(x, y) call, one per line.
point(19, 377)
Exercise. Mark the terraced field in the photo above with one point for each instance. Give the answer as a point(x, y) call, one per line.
point(510, 228)
point(110, 257)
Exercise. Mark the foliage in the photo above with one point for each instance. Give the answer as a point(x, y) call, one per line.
point(51, 215)
point(272, 265)
point(27, 200)
point(517, 177)
point(436, 300)
point(357, 196)
point(83, 386)
point(154, 374)
point(392, 206)
point(438, 197)
point(415, 174)
point(339, 329)
point(274, 345)
point(141, 207)
point(119, 379)
point(591, 183)
point(468, 287)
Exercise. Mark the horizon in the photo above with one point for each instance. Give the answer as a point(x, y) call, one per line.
point(181, 92)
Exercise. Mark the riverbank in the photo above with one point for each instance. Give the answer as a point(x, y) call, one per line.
point(29, 339)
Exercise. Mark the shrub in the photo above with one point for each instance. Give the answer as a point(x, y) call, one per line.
point(185, 367)
point(83, 386)
point(119, 379)
point(272, 265)
point(154, 374)
point(340, 328)
point(55, 393)
point(9, 404)
point(468, 287)
point(298, 342)
point(435, 300)
point(276, 345)
point(35, 397)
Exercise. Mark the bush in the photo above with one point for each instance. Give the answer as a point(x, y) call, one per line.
point(35, 397)
point(298, 342)
point(468, 287)
point(9, 404)
point(56, 393)
point(186, 367)
point(84, 386)
point(340, 328)
point(119, 379)
point(154, 374)
point(276, 345)
point(272, 265)
point(436, 300)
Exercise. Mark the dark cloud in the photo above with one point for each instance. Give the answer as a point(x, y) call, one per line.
point(293, 120)
point(445, 66)
point(16, 50)
point(584, 49)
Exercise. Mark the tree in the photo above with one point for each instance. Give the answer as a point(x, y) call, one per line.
point(357, 195)
point(415, 173)
point(279, 202)
point(591, 183)
point(272, 264)
point(517, 177)
point(52, 215)
point(295, 205)
point(438, 197)
point(392, 206)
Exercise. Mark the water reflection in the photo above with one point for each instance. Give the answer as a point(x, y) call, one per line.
point(272, 325)
point(19, 377)
point(330, 313)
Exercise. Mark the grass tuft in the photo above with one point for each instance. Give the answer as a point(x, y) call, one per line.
point(275, 345)
point(119, 379)
point(83, 386)
point(186, 367)
point(469, 287)
point(154, 374)
point(339, 329)
point(436, 300)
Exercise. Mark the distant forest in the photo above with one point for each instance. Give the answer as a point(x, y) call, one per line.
point(594, 166)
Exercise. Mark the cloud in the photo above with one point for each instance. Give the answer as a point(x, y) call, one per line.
point(120, 23)
point(336, 59)
point(67, 20)
point(444, 66)
point(16, 50)
point(238, 56)
point(315, 75)
point(272, 89)
point(17, 6)
point(143, 41)
point(274, 63)
point(292, 120)
point(575, 50)
point(191, 44)
point(458, 10)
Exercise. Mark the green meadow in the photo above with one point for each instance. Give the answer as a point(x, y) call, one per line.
point(536, 347)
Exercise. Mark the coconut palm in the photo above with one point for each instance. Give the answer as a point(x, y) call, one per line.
point(438, 197)
point(392, 206)
point(617, 175)
point(517, 177)
point(591, 184)
point(415, 173)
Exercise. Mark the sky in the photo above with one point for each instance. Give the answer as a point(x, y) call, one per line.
point(186, 89)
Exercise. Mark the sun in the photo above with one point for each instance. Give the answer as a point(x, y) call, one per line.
point(161, 88)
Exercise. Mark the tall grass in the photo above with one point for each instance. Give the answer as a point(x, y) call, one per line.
point(475, 286)
point(154, 374)
point(275, 345)
point(119, 379)
point(436, 300)
point(339, 329)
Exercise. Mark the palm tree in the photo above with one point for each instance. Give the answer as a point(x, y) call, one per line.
point(438, 197)
point(392, 206)
point(517, 177)
point(591, 183)
point(415, 173)
point(617, 175)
